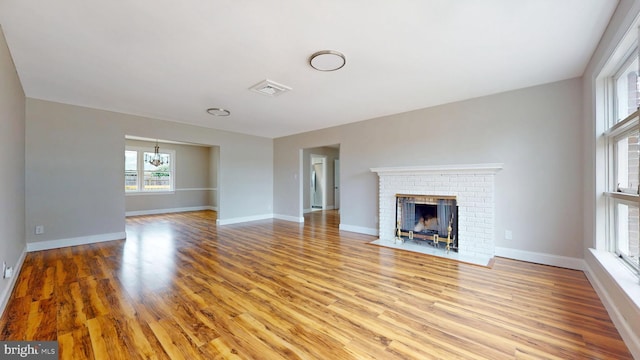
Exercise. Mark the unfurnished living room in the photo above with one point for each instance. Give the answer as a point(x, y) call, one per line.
point(320, 180)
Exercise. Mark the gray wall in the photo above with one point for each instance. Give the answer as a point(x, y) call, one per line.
point(535, 132)
point(194, 171)
point(75, 159)
point(214, 157)
point(12, 191)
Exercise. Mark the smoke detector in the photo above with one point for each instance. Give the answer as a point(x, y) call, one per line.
point(269, 88)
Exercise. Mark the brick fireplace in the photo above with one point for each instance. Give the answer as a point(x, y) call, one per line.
point(473, 186)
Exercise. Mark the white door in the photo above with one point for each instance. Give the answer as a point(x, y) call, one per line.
point(336, 182)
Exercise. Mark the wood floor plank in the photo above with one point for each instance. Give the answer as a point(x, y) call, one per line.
point(75, 345)
point(181, 287)
point(173, 340)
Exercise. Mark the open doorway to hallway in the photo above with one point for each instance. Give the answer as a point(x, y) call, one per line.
point(320, 183)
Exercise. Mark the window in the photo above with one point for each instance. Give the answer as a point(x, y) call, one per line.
point(622, 132)
point(140, 176)
point(130, 170)
point(626, 88)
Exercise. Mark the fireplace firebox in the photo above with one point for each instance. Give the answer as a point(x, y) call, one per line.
point(428, 218)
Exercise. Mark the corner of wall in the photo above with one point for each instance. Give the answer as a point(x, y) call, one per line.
point(6, 294)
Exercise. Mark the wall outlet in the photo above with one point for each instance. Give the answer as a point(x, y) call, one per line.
point(8, 272)
point(508, 235)
point(39, 230)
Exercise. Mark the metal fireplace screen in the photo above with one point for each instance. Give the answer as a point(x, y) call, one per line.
point(423, 216)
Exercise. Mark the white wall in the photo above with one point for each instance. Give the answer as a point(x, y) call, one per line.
point(75, 161)
point(534, 132)
point(12, 192)
point(193, 173)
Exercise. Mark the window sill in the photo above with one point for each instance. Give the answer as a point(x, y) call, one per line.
point(136, 193)
point(620, 273)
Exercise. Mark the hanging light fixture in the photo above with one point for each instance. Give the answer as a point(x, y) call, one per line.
point(156, 159)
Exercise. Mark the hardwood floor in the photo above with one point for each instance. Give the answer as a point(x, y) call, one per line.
point(181, 288)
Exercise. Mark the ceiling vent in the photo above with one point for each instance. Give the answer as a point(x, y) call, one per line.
point(269, 88)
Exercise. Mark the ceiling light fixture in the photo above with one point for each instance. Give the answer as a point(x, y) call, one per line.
point(218, 112)
point(156, 159)
point(327, 60)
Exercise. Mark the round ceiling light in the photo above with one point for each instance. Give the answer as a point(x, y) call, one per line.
point(218, 112)
point(327, 60)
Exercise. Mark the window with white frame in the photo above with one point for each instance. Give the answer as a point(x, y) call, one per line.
point(140, 176)
point(622, 163)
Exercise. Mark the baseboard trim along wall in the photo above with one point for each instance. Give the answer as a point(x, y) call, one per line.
point(243, 219)
point(627, 283)
point(359, 229)
point(83, 240)
point(6, 294)
point(541, 258)
point(168, 211)
point(328, 207)
point(297, 219)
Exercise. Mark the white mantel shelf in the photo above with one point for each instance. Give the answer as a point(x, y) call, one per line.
point(489, 168)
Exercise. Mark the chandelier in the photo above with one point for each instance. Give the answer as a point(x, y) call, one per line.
point(156, 159)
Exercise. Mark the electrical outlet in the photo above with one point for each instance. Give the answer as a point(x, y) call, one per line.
point(8, 272)
point(508, 235)
point(39, 230)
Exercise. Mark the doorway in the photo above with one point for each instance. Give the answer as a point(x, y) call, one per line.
point(198, 162)
point(319, 183)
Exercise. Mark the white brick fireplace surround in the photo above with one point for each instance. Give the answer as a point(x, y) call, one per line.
point(472, 185)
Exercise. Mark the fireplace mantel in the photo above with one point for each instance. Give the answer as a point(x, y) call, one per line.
point(489, 168)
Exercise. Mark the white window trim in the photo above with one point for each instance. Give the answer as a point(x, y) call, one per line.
point(140, 153)
point(629, 57)
point(613, 130)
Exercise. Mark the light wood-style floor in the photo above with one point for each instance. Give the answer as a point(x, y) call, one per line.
point(181, 288)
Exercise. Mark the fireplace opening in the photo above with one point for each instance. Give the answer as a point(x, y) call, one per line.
point(428, 218)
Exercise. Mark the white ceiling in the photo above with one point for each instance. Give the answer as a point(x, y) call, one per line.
point(174, 59)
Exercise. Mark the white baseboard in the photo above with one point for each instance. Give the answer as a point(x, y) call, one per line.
point(328, 207)
point(244, 219)
point(6, 294)
point(359, 229)
point(631, 339)
point(541, 258)
point(169, 211)
point(289, 218)
point(54, 244)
